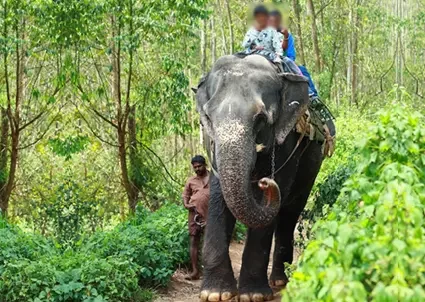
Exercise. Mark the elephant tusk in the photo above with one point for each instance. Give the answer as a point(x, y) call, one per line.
point(259, 147)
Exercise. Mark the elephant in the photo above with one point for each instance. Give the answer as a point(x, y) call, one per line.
point(263, 172)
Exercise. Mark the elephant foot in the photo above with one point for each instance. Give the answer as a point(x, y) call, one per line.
point(256, 295)
point(218, 286)
point(216, 295)
point(278, 281)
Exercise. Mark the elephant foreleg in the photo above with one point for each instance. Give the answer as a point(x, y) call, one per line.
point(219, 283)
point(253, 283)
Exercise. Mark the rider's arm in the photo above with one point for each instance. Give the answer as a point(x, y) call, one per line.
point(249, 39)
point(285, 35)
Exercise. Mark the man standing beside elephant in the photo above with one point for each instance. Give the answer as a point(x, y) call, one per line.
point(195, 198)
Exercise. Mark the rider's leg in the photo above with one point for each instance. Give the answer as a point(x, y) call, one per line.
point(312, 88)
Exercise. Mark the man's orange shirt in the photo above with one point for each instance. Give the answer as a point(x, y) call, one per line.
point(197, 192)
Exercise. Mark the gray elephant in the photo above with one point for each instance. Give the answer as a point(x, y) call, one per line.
point(263, 172)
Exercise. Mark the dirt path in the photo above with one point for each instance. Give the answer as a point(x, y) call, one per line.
point(181, 290)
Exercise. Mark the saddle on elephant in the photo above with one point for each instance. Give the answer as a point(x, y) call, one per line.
point(313, 126)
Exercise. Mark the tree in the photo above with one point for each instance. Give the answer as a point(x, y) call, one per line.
point(31, 82)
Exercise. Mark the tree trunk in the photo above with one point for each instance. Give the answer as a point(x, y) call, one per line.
point(120, 116)
point(7, 189)
point(296, 8)
point(222, 24)
point(333, 67)
point(4, 149)
point(213, 40)
point(204, 47)
point(354, 56)
point(229, 19)
point(314, 34)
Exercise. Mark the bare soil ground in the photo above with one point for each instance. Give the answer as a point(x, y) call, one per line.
point(181, 290)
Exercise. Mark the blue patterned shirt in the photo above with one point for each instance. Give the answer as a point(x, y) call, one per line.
point(268, 38)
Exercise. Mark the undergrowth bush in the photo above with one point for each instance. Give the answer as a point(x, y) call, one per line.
point(71, 277)
point(117, 266)
point(157, 242)
point(325, 197)
point(370, 247)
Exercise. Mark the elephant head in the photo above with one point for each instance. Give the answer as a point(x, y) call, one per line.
point(243, 104)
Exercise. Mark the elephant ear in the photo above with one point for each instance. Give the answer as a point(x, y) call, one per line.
point(201, 99)
point(295, 100)
point(206, 132)
point(201, 93)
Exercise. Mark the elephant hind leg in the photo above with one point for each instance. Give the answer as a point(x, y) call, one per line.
point(293, 205)
point(284, 250)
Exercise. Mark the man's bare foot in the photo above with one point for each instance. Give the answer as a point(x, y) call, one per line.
point(193, 276)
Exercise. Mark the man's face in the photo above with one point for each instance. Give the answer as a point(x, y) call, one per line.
point(199, 168)
point(274, 21)
point(261, 20)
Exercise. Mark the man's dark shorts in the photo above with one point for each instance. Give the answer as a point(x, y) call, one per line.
point(194, 229)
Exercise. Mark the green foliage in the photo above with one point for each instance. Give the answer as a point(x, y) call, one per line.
point(240, 231)
point(157, 242)
point(69, 145)
point(370, 247)
point(325, 197)
point(16, 244)
point(108, 266)
point(70, 277)
point(68, 212)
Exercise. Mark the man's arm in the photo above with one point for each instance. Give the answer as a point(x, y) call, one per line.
point(187, 193)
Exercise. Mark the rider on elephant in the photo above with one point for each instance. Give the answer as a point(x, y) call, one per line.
point(288, 45)
point(264, 40)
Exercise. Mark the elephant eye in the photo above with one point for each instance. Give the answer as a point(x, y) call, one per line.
point(260, 122)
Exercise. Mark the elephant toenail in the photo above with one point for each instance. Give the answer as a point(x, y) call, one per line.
point(269, 297)
point(204, 295)
point(280, 282)
point(258, 298)
point(226, 296)
point(214, 297)
point(244, 298)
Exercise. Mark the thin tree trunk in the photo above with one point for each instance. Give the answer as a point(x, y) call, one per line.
point(296, 8)
point(333, 67)
point(222, 24)
point(204, 47)
point(314, 34)
point(229, 19)
point(13, 113)
point(354, 70)
point(213, 41)
point(120, 117)
point(354, 51)
point(4, 146)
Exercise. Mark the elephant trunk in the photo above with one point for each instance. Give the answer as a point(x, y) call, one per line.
point(236, 157)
